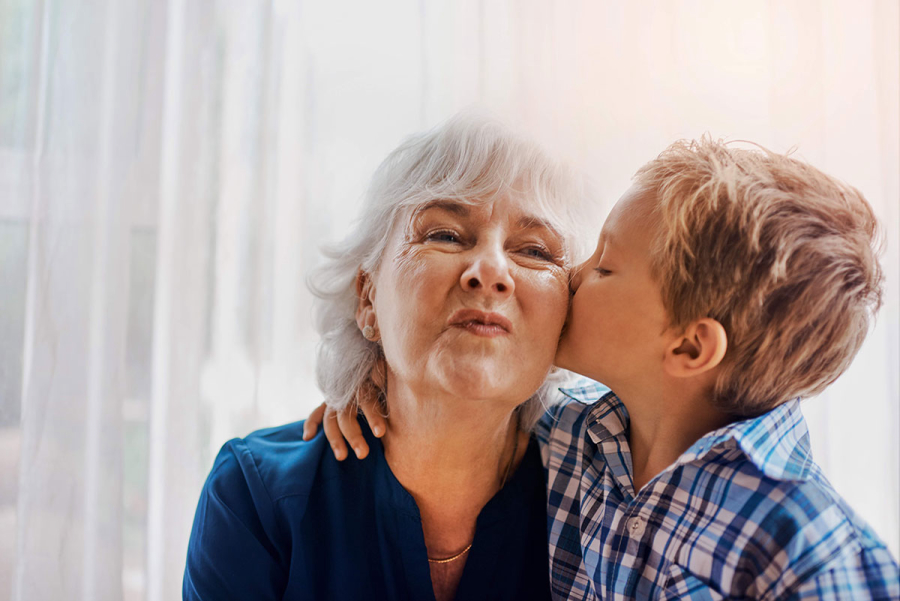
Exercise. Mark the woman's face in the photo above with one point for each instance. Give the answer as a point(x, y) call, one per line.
point(470, 300)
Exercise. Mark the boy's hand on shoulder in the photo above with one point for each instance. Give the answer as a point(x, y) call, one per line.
point(341, 425)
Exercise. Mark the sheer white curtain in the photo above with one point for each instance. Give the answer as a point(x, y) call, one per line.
point(168, 170)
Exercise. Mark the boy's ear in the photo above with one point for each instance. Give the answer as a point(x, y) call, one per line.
point(365, 292)
point(700, 348)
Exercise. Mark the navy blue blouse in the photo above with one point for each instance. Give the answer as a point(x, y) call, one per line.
point(280, 518)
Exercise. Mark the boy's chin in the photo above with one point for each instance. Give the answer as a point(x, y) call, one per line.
point(571, 364)
point(563, 361)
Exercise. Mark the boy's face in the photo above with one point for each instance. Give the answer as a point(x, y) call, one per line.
point(615, 330)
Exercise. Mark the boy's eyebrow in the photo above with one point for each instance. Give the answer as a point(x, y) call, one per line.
point(606, 239)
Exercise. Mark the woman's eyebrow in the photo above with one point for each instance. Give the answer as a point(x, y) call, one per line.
point(535, 222)
point(450, 206)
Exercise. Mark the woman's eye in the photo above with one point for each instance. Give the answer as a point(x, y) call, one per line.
point(443, 236)
point(602, 272)
point(538, 252)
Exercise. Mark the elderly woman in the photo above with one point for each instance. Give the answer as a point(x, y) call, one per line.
point(455, 278)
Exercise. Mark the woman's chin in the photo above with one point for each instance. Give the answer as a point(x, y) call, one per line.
point(491, 383)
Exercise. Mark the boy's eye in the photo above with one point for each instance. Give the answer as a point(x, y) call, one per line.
point(602, 272)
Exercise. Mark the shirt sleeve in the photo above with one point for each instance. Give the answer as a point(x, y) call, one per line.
point(870, 574)
point(231, 554)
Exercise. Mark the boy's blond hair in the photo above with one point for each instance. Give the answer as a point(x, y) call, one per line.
point(782, 255)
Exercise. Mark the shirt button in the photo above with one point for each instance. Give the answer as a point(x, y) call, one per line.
point(636, 526)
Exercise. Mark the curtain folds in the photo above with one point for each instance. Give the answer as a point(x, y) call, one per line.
point(169, 170)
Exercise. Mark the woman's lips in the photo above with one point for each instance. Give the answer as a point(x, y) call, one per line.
point(480, 329)
point(481, 323)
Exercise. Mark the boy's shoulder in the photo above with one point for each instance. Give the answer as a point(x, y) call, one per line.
point(764, 518)
point(582, 414)
point(748, 531)
point(571, 406)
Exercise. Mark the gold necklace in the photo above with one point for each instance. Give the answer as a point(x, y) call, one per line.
point(457, 556)
point(502, 484)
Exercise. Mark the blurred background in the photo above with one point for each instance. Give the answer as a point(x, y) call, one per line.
point(170, 168)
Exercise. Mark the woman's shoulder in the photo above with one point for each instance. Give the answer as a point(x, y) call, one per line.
point(240, 528)
point(275, 462)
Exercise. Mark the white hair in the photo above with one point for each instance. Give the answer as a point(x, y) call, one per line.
point(471, 158)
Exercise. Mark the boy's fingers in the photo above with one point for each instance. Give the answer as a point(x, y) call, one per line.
point(367, 399)
point(350, 429)
point(333, 434)
point(311, 425)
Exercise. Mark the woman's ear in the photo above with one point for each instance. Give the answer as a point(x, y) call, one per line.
point(700, 348)
point(365, 309)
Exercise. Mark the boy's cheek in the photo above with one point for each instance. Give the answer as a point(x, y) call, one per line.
point(578, 338)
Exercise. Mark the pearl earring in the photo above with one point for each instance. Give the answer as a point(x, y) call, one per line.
point(368, 332)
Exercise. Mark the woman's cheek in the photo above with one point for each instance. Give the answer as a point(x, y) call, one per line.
point(552, 299)
point(561, 295)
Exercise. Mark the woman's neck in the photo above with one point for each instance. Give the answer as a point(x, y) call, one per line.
point(452, 456)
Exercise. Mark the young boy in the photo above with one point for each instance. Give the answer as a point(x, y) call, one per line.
point(726, 285)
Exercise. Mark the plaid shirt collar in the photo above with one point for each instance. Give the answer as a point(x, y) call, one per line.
point(777, 442)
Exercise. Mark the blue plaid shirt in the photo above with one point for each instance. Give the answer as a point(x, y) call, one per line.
point(743, 513)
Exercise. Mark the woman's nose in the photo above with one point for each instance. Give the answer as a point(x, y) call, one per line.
point(489, 272)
